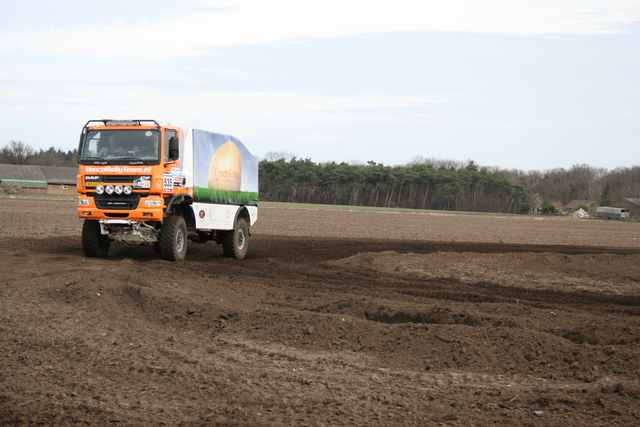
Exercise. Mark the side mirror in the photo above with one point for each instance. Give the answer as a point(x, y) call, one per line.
point(174, 149)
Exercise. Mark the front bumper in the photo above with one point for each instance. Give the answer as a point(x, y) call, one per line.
point(87, 209)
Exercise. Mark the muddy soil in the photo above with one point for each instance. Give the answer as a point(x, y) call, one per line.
point(335, 317)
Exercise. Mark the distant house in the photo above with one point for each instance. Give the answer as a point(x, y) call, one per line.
point(572, 206)
point(633, 205)
point(40, 179)
point(536, 202)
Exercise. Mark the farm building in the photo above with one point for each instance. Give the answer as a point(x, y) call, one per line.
point(40, 179)
point(60, 180)
point(632, 204)
point(537, 204)
point(572, 206)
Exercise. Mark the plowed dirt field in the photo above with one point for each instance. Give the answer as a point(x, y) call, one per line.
point(336, 317)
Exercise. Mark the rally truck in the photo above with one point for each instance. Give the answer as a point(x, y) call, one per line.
point(148, 183)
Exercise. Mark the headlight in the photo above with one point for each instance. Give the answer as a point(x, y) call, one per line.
point(108, 189)
point(118, 189)
point(83, 201)
point(153, 202)
point(127, 190)
point(100, 189)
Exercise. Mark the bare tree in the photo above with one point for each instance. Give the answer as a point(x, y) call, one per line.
point(17, 152)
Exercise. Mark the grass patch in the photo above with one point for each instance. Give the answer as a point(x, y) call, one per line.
point(206, 195)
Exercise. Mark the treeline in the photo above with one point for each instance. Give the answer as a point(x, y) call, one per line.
point(439, 184)
point(420, 184)
point(415, 186)
point(580, 182)
point(19, 153)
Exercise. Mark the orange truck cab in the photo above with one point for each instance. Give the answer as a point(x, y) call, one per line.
point(142, 182)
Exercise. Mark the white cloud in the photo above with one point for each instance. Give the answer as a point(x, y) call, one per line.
point(102, 93)
point(239, 22)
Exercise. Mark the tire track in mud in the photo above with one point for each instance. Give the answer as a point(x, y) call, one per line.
point(369, 281)
point(449, 301)
point(305, 264)
point(332, 248)
point(301, 262)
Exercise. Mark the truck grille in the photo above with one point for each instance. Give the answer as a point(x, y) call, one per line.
point(117, 202)
point(111, 179)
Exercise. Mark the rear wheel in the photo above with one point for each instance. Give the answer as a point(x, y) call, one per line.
point(173, 238)
point(235, 243)
point(94, 243)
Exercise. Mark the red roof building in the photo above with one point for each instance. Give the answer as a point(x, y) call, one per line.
point(572, 206)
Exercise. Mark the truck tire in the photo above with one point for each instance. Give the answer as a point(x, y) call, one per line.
point(173, 238)
point(94, 243)
point(236, 242)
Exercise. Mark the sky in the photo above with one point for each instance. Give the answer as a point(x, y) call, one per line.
point(529, 85)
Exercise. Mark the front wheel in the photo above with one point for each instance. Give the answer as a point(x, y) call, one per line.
point(94, 243)
point(173, 238)
point(235, 243)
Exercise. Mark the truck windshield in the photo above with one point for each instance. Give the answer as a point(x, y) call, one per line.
point(124, 145)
